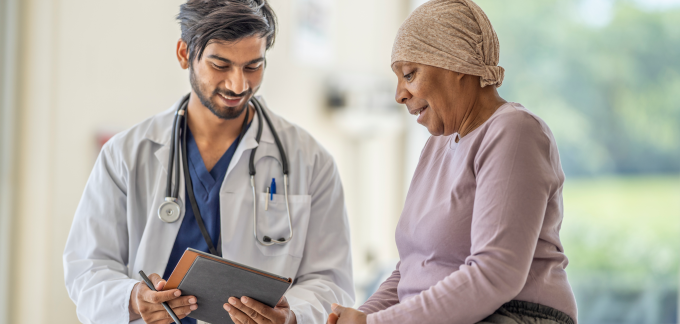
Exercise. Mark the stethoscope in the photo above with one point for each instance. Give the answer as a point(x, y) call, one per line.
point(170, 210)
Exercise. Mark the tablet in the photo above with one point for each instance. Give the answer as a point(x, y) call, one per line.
point(213, 280)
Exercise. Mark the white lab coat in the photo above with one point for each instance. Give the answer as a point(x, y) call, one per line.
point(116, 231)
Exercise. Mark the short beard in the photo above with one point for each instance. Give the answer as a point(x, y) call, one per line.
point(222, 113)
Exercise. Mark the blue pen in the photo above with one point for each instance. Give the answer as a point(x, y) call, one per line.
point(273, 189)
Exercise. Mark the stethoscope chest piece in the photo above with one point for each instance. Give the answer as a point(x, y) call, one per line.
point(169, 211)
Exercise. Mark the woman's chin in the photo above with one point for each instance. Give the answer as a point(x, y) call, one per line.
point(434, 131)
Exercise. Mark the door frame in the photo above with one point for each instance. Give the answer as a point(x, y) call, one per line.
point(9, 48)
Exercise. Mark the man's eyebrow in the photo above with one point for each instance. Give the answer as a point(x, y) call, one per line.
point(213, 56)
point(257, 60)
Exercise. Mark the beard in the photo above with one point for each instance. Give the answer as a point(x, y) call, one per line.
point(221, 111)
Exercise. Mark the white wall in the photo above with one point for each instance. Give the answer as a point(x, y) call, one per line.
point(85, 65)
point(96, 65)
point(371, 167)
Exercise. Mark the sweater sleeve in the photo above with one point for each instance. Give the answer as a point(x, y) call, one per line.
point(386, 295)
point(515, 178)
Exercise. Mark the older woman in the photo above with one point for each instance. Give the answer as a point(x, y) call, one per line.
point(478, 238)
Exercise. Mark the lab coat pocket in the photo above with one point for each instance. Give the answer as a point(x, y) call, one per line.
point(272, 221)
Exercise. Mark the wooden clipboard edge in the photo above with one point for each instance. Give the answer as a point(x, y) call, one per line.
point(188, 259)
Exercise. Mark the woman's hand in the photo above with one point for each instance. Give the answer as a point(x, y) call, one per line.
point(345, 315)
point(249, 311)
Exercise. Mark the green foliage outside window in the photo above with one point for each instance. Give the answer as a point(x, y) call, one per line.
point(610, 92)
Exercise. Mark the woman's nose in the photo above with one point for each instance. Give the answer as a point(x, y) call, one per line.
point(402, 95)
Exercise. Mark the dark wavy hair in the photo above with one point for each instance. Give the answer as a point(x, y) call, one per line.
point(203, 21)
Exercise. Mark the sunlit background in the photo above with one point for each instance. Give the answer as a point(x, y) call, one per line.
point(604, 75)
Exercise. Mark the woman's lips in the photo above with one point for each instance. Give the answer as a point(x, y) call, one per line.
point(420, 114)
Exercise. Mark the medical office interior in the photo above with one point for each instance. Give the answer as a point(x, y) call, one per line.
point(603, 74)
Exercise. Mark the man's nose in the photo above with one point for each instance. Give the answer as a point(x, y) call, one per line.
point(236, 82)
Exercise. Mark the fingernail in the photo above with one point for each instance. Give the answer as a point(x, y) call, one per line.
point(227, 307)
point(334, 306)
point(193, 307)
point(192, 300)
point(232, 300)
point(244, 299)
point(189, 312)
point(178, 293)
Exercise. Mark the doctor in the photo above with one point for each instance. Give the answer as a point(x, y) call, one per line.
point(141, 209)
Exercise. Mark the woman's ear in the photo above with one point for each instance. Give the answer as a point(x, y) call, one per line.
point(460, 76)
point(182, 54)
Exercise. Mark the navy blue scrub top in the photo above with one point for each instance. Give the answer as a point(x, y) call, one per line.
point(207, 192)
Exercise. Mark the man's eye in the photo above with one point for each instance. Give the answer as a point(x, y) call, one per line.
point(253, 68)
point(409, 76)
point(219, 67)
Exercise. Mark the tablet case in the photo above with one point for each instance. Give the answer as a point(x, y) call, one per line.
point(213, 280)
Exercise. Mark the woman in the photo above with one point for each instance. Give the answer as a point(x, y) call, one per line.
point(478, 238)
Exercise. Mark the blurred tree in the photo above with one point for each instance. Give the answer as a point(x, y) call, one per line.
point(608, 85)
point(611, 94)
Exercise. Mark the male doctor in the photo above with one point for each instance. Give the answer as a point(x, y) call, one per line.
point(117, 230)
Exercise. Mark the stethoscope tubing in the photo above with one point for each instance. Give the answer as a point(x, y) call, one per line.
point(284, 166)
point(171, 203)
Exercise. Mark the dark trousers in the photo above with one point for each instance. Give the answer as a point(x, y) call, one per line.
point(521, 312)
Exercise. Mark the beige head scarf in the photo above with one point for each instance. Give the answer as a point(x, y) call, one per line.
point(451, 34)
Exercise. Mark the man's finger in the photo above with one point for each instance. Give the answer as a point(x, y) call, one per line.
point(156, 280)
point(332, 319)
point(262, 309)
point(162, 316)
point(236, 315)
point(251, 313)
point(159, 316)
point(283, 302)
point(182, 312)
point(182, 301)
point(161, 296)
point(234, 319)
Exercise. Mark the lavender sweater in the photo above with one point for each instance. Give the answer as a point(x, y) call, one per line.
point(480, 227)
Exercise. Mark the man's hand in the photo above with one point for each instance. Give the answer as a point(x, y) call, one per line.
point(250, 311)
point(146, 303)
point(345, 315)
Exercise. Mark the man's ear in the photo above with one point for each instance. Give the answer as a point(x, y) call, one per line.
point(182, 54)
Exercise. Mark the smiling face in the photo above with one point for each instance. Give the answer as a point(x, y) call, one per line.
point(227, 75)
point(441, 98)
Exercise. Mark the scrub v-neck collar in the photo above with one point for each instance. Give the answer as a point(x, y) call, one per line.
point(206, 178)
